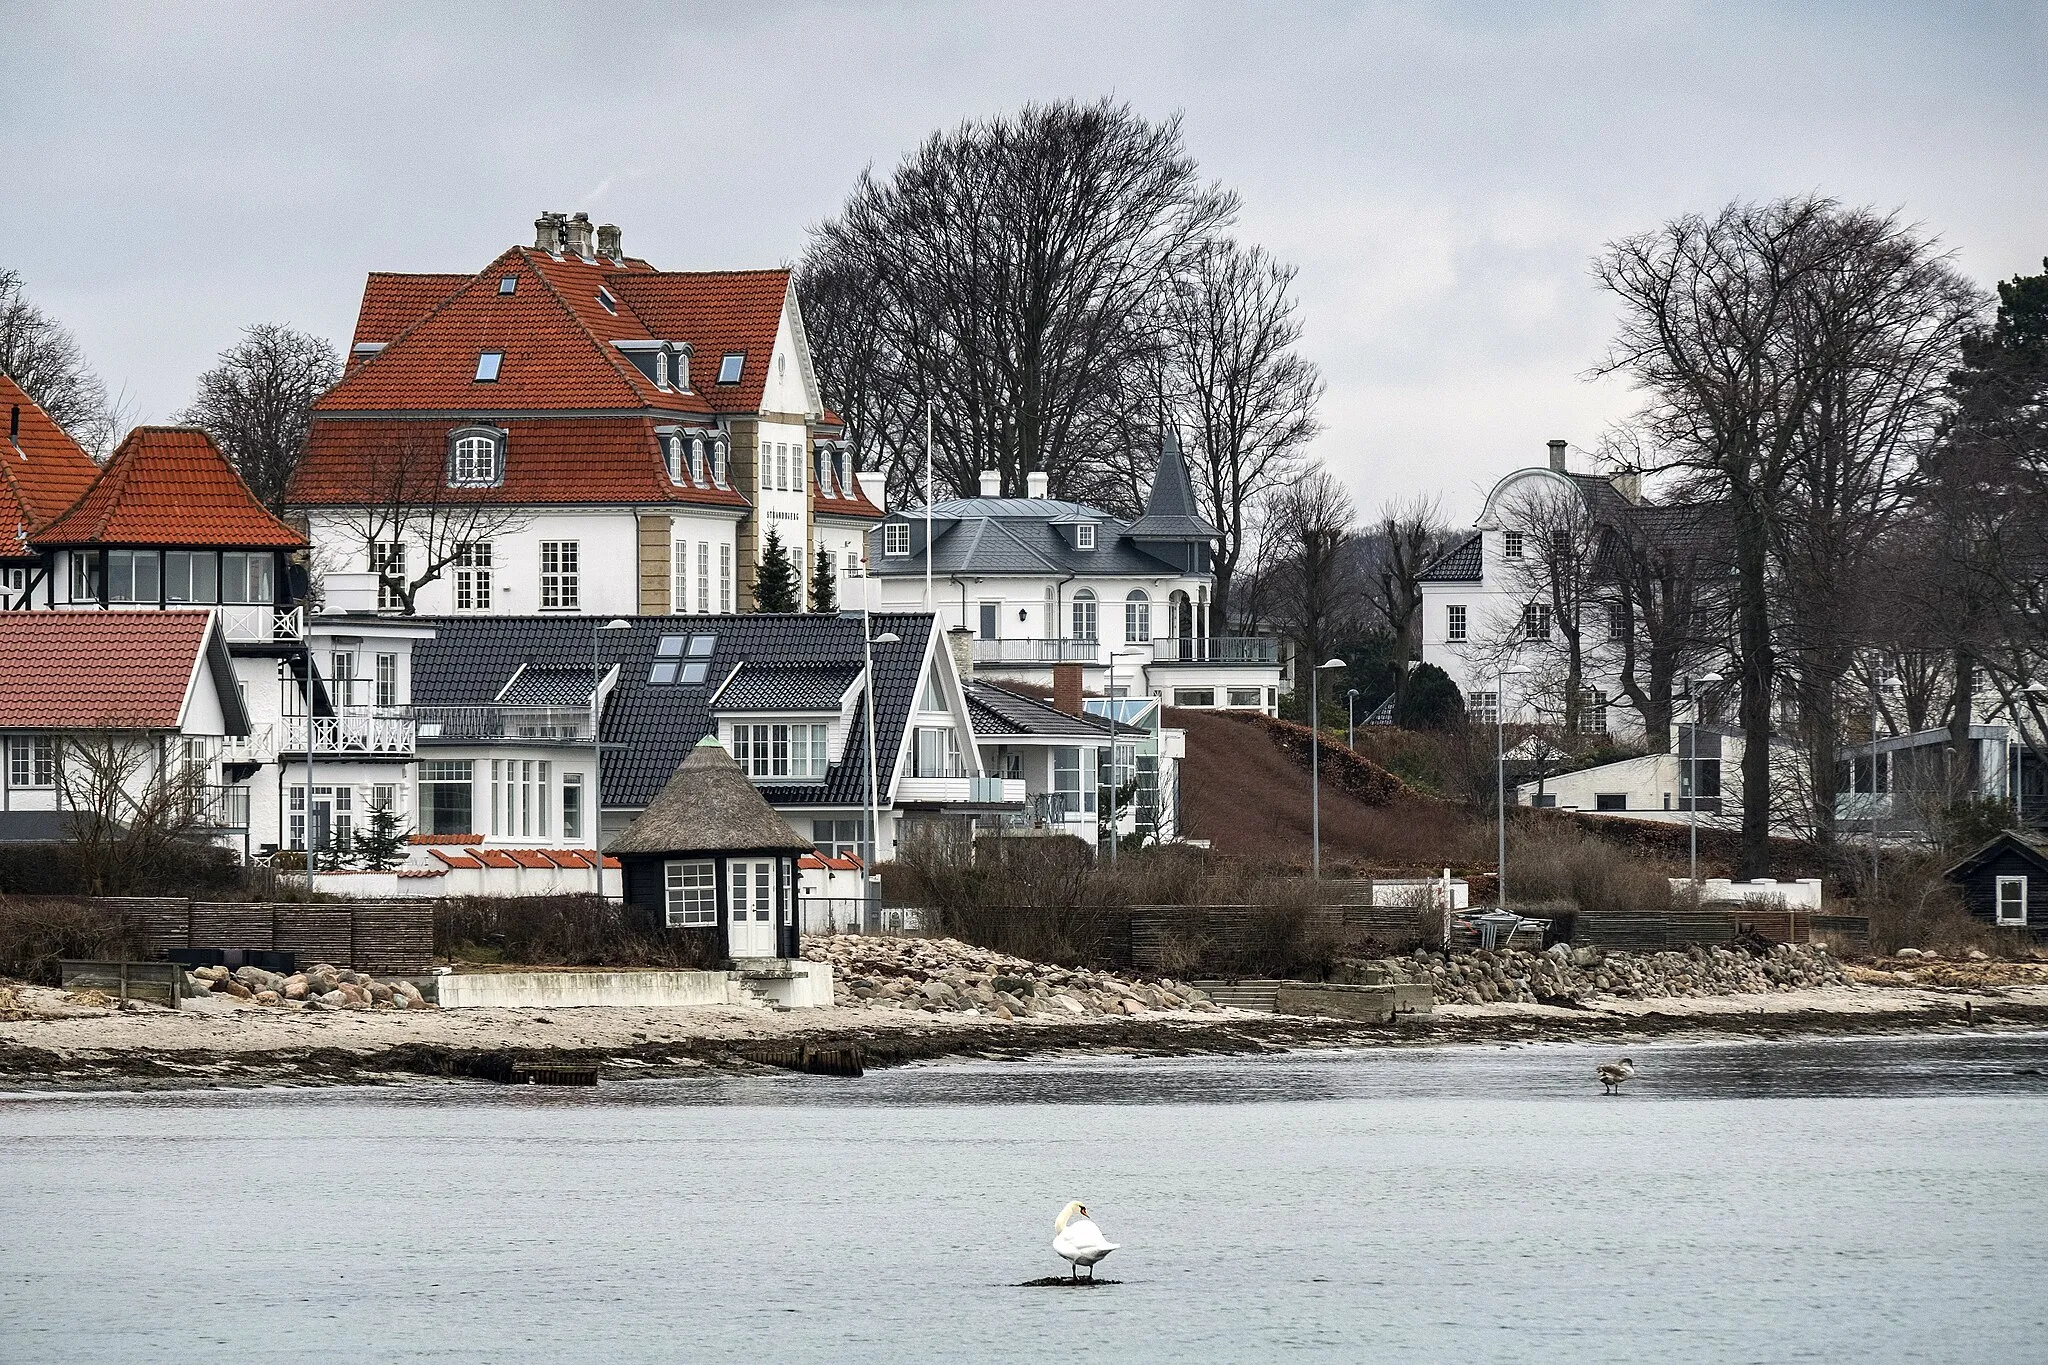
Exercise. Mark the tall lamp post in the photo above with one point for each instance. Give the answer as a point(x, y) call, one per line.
point(1881, 685)
point(596, 816)
point(870, 877)
point(1351, 719)
point(1315, 764)
point(2034, 691)
point(1692, 774)
point(1500, 775)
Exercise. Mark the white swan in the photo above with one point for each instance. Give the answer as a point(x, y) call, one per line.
point(1076, 1238)
point(1612, 1075)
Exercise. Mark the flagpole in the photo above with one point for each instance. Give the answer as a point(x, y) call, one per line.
point(927, 504)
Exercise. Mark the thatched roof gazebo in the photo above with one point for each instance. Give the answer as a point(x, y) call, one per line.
point(709, 855)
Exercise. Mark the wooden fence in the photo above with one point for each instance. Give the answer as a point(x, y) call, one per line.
point(384, 938)
point(1217, 937)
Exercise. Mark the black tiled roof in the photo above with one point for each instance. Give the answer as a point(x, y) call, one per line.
point(654, 725)
point(1171, 512)
point(1459, 564)
point(785, 687)
point(548, 685)
point(997, 536)
point(997, 711)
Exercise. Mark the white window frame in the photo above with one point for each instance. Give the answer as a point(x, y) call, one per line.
point(724, 578)
point(561, 575)
point(473, 569)
point(1999, 916)
point(704, 578)
point(1511, 544)
point(1084, 536)
point(1482, 708)
point(31, 762)
point(679, 579)
point(1086, 616)
point(489, 364)
point(896, 539)
point(780, 751)
point(475, 459)
point(388, 557)
point(1455, 623)
point(691, 893)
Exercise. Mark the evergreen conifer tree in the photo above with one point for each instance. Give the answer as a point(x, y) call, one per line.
point(382, 846)
point(824, 594)
point(775, 582)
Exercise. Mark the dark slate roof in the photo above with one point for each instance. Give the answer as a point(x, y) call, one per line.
point(1459, 564)
point(784, 687)
point(548, 685)
point(2007, 841)
point(708, 806)
point(990, 537)
point(1171, 512)
point(997, 711)
point(654, 725)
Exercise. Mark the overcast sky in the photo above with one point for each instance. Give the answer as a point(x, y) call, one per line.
point(1442, 175)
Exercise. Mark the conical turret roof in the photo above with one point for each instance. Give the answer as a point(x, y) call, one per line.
point(709, 806)
point(1171, 512)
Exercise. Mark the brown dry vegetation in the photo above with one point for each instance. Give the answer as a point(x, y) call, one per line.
point(560, 930)
point(36, 932)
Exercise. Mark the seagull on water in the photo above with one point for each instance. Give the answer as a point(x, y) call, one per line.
point(1613, 1074)
point(1076, 1238)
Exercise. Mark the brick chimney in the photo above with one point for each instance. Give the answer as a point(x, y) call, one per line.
point(1066, 688)
point(608, 242)
point(1557, 456)
point(548, 233)
point(961, 641)
point(991, 483)
point(579, 235)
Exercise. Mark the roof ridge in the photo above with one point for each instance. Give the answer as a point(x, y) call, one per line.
point(604, 348)
point(406, 331)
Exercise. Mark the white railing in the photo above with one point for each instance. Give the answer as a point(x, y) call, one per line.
point(259, 622)
point(352, 732)
point(451, 724)
point(1195, 649)
point(258, 746)
point(1037, 651)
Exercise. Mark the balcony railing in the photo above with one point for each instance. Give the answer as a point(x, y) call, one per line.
point(1037, 651)
point(357, 730)
point(1227, 649)
point(260, 623)
point(480, 724)
point(258, 746)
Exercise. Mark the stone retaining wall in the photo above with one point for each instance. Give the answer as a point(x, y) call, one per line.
point(1562, 973)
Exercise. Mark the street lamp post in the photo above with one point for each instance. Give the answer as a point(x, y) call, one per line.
point(1881, 685)
point(1500, 774)
point(1315, 764)
point(874, 841)
point(1351, 719)
point(1692, 775)
point(596, 814)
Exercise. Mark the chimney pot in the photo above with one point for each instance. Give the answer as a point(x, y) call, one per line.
point(961, 640)
point(579, 235)
point(991, 483)
point(1038, 484)
point(1557, 456)
point(608, 242)
point(1066, 688)
point(549, 233)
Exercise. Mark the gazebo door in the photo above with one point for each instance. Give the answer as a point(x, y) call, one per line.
point(750, 924)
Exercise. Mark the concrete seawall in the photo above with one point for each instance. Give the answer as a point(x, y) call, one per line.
point(571, 990)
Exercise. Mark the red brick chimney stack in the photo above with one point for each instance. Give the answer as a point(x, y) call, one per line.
point(1066, 688)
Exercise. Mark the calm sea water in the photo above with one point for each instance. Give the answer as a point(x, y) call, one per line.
point(1831, 1201)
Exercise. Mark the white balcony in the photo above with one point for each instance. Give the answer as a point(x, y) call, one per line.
point(1195, 649)
point(1017, 653)
point(357, 730)
point(492, 724)
point(258, 746)
point(955, 791)
point(260, 623)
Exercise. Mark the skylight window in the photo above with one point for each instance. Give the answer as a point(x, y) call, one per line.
point(487, 366)
point(682, 658)
point(604, 297)
point(507, 284)
point(729, 367)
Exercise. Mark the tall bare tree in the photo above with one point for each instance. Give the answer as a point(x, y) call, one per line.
point(1409, 534)
point(130, 799)
point(1240, 386)
point(257, 403)
point(40, 354)
point(1312, 525)
point(1003, 269)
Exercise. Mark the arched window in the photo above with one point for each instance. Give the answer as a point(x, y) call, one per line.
point(475, 457)
point(1084, 615)
point(824, 471)
point(1180, 615)
point(1137, 617)
point(697, 462)
point(718, 467)
point(673, 447)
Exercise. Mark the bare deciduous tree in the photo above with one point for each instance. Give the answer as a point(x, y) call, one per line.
point(40, 354)
point(1312, 524)
point(130, 799)
point(257, 403)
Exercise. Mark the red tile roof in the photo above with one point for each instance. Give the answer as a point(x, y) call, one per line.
point(169, 486)
point(446, 839)
point(717, 312)
point(42, 472)
point(391, 303)
point(79, 670)
point(547, 460)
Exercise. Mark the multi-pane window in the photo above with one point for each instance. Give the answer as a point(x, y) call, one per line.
point(2012, 900)
point(31, 761)
point(1084, 615)
point(1592, 711)
point(725, 578)
point(836, 838)
point(1455, 629)
point(1482, 707)
point(824, 472)
point(519, 798)
point(572, 805)
point(85, 576)
point(248, 576)
point(1536, 621)
point(673, 458)
point(475, 460)
point(560, 576)
point(445, 795)
point(473, 576)
point(341, 677)
point(685, 659)
point(191, 576)
point(1511, 544)
point(697, 463)
point(387, 680)
point(1084, 536)
point(1617, 621)
point(896, 538)
point(679, 578)
point(387, 561)
point(1137, 617)
point(935, 752)
point(779, 751)
point(134, 576)
point(718, 463)
point(1067, 786)
point(692, 894)
point(703, 577)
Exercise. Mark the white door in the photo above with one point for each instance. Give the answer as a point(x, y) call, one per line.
point(750, 923)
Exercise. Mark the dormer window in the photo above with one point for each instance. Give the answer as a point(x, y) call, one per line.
point(682, 380)
point(846, 483)
point(673, 448)
point(697, 463)
point(1084, 536)
point(729, 366)
point(718, 466)
point(508, 283)
point(606, 301)
point(487, 366)
point(896, 538)
point(661, 369)
point(476, 457)
point(824, 471)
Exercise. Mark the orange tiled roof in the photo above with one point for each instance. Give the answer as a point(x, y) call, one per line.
point(169, 486)
point(547, 460)
point(446, 839)
point(42, 471)
point(76, 670)
point(717, 312)
point(393, 302)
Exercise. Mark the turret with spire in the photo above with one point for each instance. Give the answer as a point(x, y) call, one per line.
point(1173, 527)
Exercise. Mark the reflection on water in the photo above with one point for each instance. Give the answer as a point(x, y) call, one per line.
point(1748, 1201)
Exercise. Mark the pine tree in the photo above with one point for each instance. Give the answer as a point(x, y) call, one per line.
point(382, 846)
point(775, 582)
point(824, 594)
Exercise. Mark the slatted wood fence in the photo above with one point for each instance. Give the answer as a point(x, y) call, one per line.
point(384, 938)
